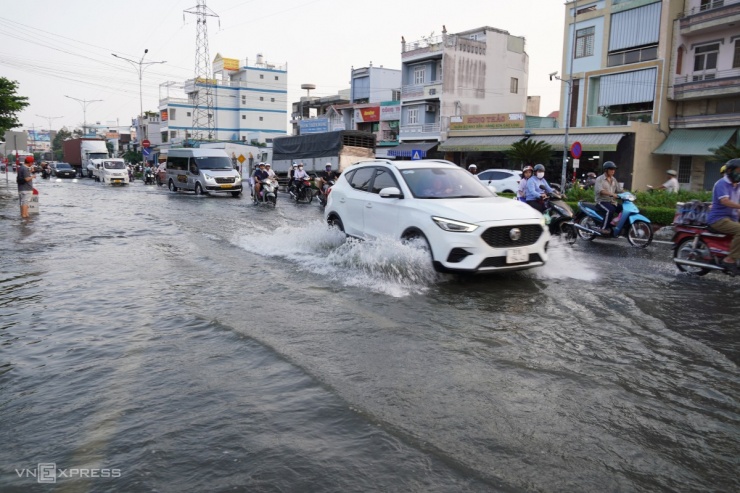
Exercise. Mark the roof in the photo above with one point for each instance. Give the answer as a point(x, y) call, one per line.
point(695, 141)
point(589, 142)
point(410, 149)
point(476, 144)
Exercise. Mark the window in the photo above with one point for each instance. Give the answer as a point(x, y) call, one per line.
point(261, 119)
point(244, 117)
point(262, 98)
point(736, 57)
point(164, 136)
point(272, 100)
point(244, 100)
point(711, 4)
point(383, 179)
point(514, 85)
point(276, 77)
point(173, 133)
point(419, 75)
point(705, 57)
point(684, 169)
point(413, 116)
point(173, 112)
point(725, 106)
point(262, 76)
point(396, 95)
point(244, 138)
point(189, 114)
point(360, 180)
point(585, 42)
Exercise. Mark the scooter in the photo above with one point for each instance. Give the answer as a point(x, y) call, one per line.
point(161, 177)
point(268, 193)
point(323, 194)
point(559, 217)
point(148, 177)
point(302, 191)
point(699, 249)
point(629, 223)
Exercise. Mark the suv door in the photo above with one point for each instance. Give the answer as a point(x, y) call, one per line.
point(381, 214)
point(353, 202)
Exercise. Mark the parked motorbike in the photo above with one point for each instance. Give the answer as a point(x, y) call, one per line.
point(629, 223)
point(559, 217)
point(302, 191)
point(699, 249)
point(268, 192)
point(148, 177)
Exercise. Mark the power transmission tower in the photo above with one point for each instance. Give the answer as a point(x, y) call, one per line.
point(204, 124)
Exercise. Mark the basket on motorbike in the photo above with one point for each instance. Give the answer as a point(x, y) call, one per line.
point(692, 213)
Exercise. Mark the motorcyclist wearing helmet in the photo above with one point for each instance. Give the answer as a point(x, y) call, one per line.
point(606, 188)
point(270, 173)
point(473, 169)
point(724, 216)
point(260, 174)
point(522, 191)
point(326, 178)
point(537, 188)
point(299, 175)
point(291, 172)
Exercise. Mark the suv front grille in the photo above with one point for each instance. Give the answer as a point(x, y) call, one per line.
point(227, 179)
point(500, 236)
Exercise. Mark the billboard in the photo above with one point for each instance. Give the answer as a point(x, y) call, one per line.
point(390, 111)
point(492, 121)
point(39, 136)
point(371, 114)
point(314, 125)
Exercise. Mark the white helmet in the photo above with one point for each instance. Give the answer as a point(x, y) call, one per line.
point(472, 166)
point(295, 165)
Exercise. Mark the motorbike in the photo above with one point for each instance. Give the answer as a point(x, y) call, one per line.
point(559, 217)
point(697, 248)
point(302, 191)
point(161, 177)
point(629, 223)
point(324, 194)
point(45, 172)
point(268, 193)
point(148, 177)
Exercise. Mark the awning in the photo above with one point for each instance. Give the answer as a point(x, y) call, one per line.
point(409, 149)
point(589, 142)
point(694, 141)
point(477, 144)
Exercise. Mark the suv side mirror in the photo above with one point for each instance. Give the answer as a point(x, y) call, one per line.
point(391, 193)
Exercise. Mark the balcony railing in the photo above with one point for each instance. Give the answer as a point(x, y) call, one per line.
point(422, 90)
point(618, 119)
point(702, 121)
point(706, 76)
point(421, 130)
point(709, 6)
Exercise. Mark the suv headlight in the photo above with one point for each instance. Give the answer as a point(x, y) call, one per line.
point(454, 226)
point(207, 176)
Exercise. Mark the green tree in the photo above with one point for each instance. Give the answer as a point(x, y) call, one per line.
point(10, 105)
point(62, 135)
point(725, 153)
point(132, 157)
point(529, 152)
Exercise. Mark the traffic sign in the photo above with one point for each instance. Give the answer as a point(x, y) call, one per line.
point(145, 143)
point(415, 155)
point(575, 150)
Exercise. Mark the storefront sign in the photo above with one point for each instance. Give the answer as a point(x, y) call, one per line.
point(371, 114)
point(390, 112)
point(493, 121)
point(314, 125)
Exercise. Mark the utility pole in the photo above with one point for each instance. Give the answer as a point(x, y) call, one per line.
point(140, 66)
point(84, 103)
point(203, 107)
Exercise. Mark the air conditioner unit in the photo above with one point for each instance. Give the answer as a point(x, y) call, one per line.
point(432, 91)
point(430, 108)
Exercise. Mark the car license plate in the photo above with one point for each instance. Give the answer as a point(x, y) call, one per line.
point(225, 186)
point(516, 255)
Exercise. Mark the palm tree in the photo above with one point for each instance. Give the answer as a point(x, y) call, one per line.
point(529, 151)
point(725, 153)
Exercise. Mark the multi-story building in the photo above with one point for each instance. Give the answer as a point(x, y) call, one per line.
point(704, 83)
point(249, 102)
point(444, 77)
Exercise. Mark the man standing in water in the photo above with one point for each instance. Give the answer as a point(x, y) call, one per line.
point(25, 185)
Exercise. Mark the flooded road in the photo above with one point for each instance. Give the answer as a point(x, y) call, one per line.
point(160, 341)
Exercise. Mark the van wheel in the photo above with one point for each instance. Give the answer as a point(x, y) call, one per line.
point(198, 189)
point(171, 186)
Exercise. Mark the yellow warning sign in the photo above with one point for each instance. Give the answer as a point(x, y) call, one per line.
point(241, 159)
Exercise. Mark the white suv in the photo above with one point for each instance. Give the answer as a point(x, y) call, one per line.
point(464, 225)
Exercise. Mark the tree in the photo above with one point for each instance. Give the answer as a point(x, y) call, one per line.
point(529, 152)
point(132, 157)
point(725, 153)
point(10, 105)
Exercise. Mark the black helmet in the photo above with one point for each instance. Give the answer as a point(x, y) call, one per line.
point(538, 167)
point(609, 165)
point(731, 170)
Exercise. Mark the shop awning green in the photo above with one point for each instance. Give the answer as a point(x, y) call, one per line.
point(694, 141)
point(589, 142)
point(479, 144)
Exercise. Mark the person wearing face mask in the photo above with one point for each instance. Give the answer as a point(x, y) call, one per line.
point(724, 215)
point(537, 188)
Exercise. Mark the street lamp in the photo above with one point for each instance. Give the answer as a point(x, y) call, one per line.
point(140, 66)
point(84, 103)
point(50, 118)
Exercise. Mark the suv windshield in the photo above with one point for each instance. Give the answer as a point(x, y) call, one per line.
point(63, 166)
point(114, 165)
point(213, 162)
point(444, 183)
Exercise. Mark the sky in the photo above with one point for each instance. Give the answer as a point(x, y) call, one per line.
point(57, 51)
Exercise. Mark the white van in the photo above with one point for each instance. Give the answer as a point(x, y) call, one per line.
point(111, 171)
point(202, 171)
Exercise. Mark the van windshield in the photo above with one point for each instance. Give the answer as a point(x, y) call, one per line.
point(213, 162)
point(113, 165)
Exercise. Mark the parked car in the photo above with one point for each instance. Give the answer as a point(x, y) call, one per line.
point(443, 208)
point(63, 170)
point(504, 180)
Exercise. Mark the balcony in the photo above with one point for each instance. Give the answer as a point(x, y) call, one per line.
point(704, 121)
point(699, 85)
point(419, 131)
point(714, 16)
point(431, 90)
point(619, 119)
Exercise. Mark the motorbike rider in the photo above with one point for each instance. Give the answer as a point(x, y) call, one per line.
point(473, 169)
point(270, 173)
point(724, 215)
point(535, 195)
point(671, 185)
point(522, 191)
point(606, 189)
point(590, 180)
point(298, 176)
point(291, 172)
point(259, 175)
point(326, 178)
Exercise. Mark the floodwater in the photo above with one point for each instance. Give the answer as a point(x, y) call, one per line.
point(158, 341)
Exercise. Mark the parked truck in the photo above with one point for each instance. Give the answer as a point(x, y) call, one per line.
point(341, 148)
point(80, 153)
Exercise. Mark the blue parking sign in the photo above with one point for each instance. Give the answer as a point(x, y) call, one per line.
point(415, 155)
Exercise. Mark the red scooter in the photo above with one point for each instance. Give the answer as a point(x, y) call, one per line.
point(698, 249)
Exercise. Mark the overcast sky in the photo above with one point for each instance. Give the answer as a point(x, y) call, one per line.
point(56, 49)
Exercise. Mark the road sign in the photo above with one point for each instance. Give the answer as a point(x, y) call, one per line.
point(575, 150)
point(145, 143)
point(146, 151)
point(576, 163)
point(415, 155)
